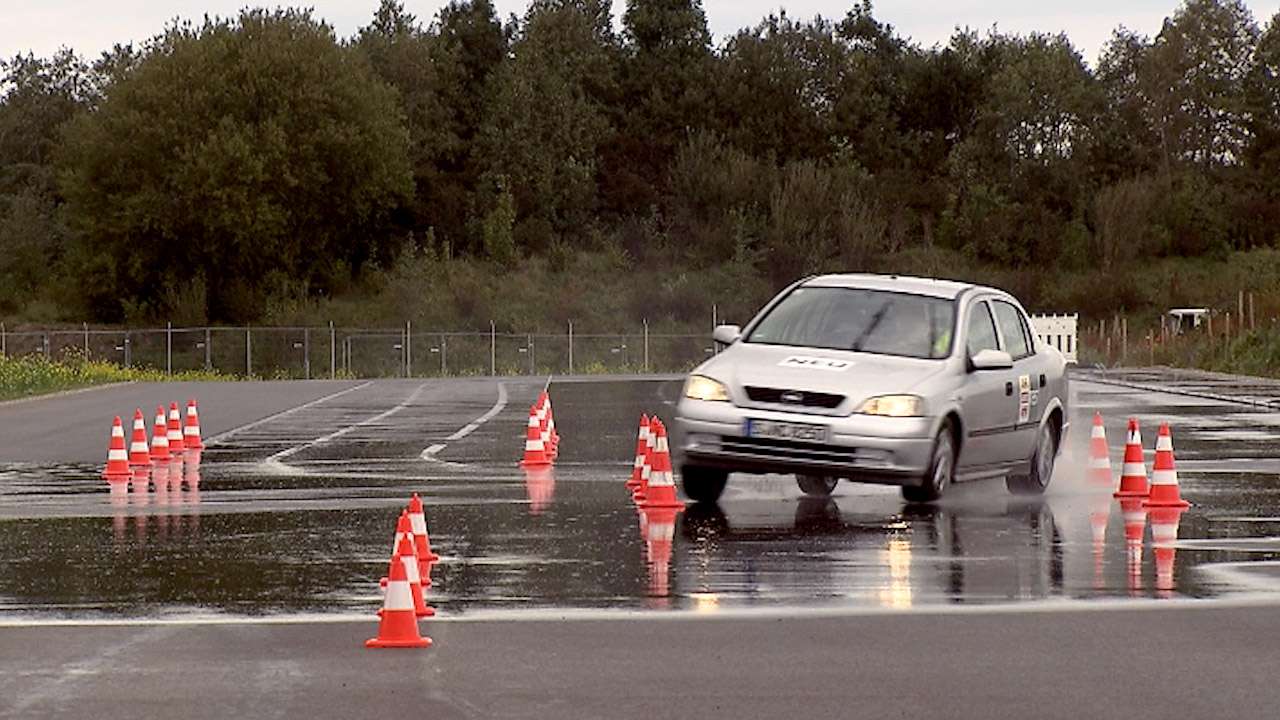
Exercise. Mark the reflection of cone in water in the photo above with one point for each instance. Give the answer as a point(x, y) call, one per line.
point(191, 476)
point(160, 439)
point(661, 492)
point(540, 485)
point(1099, 455)
point(409, 558)
point(191, 429)
point(139, 453)
point(1133, 478)
point(1164, 539)
point(119, 494)
point(174, 430)
point(1099, 515)
point(1164, 476)
point(117, 469)
point(642, 437)
point(140, 494)
point(659, 534)
point(1135, 525)
point(535, 454)
point(174, 477)
point(398, 623)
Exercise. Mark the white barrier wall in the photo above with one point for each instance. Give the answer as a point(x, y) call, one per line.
point(1059, 331)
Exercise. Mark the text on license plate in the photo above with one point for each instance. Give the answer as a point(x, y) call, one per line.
point(798, 432)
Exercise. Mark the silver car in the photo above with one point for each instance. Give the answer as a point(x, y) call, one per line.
point(880, 379)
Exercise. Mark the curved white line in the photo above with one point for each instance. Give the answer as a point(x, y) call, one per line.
point(276, 458)
point(285, 413)
point(465, 430)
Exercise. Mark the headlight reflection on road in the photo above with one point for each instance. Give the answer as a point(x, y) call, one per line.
point(705, 602)
point(897, 555)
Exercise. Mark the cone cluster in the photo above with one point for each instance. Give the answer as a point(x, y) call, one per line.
point(542, 442)
point(1157, 499)
point(408, 574)
point(652, 486)
point(173, 438)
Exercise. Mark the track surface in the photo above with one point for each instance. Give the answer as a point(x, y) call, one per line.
point(786, 605)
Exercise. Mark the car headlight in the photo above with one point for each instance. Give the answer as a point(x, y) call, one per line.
point(701, 387)
point(894, 406)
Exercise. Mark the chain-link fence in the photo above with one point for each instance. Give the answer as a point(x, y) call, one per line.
point(328, 352)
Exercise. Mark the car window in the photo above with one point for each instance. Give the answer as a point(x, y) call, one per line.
point(1011, 329)
point(982, 330)
point(873, 321)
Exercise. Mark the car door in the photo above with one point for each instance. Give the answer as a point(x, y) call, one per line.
point(987, 396)
point(1016, 340)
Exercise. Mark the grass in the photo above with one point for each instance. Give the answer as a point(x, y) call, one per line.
point(36, 375)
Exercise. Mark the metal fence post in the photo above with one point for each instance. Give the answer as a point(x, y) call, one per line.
point(128, 350)
point(248, 352)
point(208, 349)
point(306, 353)
point(408, 348)
point(444, 350)
point(646, 344)
point(493, 349)
point(86, 341)
point(168, 348)
point(533, 362)
point(570, 347)
point(333, 353)
point(4, 341)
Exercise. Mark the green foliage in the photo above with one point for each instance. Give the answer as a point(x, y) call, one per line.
point(258, 148)
point(36, 375)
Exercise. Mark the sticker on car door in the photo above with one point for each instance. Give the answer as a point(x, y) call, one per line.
point(1024, 398)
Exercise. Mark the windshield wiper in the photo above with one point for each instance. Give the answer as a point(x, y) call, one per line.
point(871, 326)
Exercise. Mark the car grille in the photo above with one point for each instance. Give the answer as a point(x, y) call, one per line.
point(793, 451)
point(805, 398)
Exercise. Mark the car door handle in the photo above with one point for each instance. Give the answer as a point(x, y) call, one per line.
point(1008, 388)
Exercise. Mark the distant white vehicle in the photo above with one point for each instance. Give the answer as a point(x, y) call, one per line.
point(1184, 319)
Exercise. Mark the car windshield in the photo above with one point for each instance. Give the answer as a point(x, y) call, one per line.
point(873, 321)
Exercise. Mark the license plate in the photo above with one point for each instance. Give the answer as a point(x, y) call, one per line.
point(797, 432)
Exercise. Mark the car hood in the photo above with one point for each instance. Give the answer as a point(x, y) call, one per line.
point(856, 375)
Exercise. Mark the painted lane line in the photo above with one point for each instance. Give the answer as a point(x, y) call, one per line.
point(276, 458)
point(285, 413)
point(430, 452)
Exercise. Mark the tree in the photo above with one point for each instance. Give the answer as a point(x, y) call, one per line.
point(547, 118)
point(261, 157)
point(1126, 142)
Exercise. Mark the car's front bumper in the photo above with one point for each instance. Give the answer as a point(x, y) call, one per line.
point(865, 448)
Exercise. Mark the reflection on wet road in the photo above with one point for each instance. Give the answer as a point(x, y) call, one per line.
point(295, 515)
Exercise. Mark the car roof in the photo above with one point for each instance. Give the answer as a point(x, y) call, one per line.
point(933, 287)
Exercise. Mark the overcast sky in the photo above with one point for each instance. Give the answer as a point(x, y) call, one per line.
point(91, 26)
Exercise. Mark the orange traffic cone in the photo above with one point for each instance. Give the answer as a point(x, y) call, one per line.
point(650, 451)
point(174, 430)
point(642, 438)
point(535, 453)
point(544, 426)
point(117, 457)
point(1099, 455)
point(398, 627)
point(191, 431)
point(160, 440)
point(1164, 477)
point(661, 492)
point(406, 554)
point(139, 454)
point(1133, 478)
point(551, 428)
point(418, 524)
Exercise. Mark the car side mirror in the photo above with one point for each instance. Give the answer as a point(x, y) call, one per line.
point(726, 334)
point(991, 360)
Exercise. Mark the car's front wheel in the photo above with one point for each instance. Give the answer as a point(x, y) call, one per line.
point(942, 470)
point(1042, 461)
point(703, 484)
point(816, 485)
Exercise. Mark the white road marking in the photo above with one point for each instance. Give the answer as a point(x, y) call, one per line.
point(276, 458)
point(223, 436)
point(430, 452)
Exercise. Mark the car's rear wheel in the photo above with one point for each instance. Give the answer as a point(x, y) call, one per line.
point(942, 470)
point(1042, 461)
point(816, 485)
point(703, 484)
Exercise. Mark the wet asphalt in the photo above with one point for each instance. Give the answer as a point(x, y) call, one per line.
point(288, 515)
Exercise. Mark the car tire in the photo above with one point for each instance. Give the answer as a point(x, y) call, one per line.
point(816, 485)
point(1041, 464)
point(942, 470)
point(703, 484)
